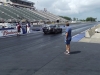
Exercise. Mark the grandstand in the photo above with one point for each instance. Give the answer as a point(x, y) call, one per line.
point(17, 10)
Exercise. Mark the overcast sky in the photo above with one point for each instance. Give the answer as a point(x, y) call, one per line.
point(80, 9)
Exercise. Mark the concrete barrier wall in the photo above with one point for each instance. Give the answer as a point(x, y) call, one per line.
point(91, 31)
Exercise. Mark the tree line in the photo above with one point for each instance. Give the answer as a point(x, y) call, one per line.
point(76, 19)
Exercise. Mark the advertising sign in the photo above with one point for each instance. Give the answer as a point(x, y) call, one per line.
point(8, 32)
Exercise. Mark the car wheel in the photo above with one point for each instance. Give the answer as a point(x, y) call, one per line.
point(61, 31)
point(55, 32)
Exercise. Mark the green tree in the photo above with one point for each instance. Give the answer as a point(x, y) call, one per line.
point(74, 19)
point(90, 19)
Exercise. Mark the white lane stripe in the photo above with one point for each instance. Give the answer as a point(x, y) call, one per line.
point(83, 31)
point(75, 35)
point(78, 34)
point(82, 28)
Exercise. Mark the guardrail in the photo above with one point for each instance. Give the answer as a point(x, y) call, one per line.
point(91, 31)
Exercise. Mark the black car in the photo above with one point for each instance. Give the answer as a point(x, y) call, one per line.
point(52, 29)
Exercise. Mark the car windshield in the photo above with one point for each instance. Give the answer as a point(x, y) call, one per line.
point(50, 26)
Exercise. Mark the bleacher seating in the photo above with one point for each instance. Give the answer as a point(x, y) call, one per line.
point(35, 16)
point(18, 13)
point(3, 15)
point(50, 16)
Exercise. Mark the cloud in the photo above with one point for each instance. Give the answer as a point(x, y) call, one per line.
point(69, 7)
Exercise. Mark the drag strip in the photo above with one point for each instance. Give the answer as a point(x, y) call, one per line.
point(28, 54)
point(36, 39)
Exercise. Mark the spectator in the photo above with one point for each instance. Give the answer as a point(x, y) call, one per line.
point(68, 38)
point(28, 27)
point(18, 28)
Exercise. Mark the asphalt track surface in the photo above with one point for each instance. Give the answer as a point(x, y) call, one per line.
point(39, 54)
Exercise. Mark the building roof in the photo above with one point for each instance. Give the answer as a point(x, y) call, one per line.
point(27, 1)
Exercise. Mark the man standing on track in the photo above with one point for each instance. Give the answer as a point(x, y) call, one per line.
point(68, 38)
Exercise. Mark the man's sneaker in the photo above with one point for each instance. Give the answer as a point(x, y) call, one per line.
point(68, 53)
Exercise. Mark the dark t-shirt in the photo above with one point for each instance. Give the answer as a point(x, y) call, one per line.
point(18, 27)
